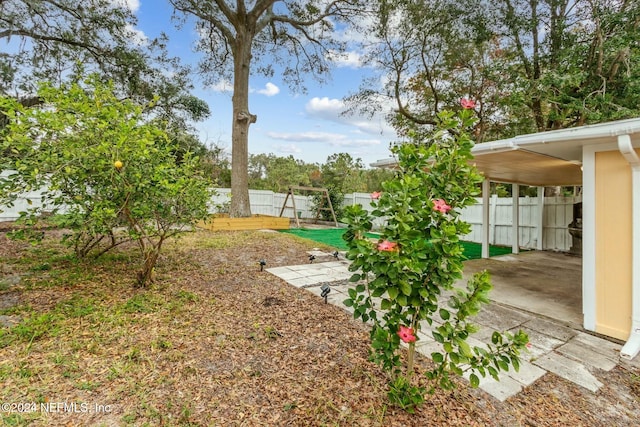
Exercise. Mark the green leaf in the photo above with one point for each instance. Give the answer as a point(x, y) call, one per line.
point(402, 300)
point(355, 278)
point(405, 288)
point(385, 304)
point(437, 357)
point(444, 314)
point(474, 380)
point(496, 338)
point(515, 363)
point(493, 372)
point(393, 293)
point(464, 348)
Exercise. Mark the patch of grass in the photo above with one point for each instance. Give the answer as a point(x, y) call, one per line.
point(14, 419)
point(186, 296)
point(134, 355)
point(41, 267)
point(5, 371)
point(88, 385)
point(162, 344)
point(68, 365)
point(144, 302)
point(223, 240)
point(77, 306)
point(17, 310)
point(31, 329)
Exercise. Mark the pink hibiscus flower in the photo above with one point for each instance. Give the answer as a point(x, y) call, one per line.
point(467, 104)
point(406, 334)
point(375, 195)
point(441, 206)
point(387, 246)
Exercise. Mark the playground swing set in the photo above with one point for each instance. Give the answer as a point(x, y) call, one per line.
point(325, 196)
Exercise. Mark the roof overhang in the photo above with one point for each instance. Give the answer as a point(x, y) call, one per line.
point(546, 158)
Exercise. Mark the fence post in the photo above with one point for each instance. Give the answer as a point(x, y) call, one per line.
point(515, 218)
point(486, 188)
point(540, 224)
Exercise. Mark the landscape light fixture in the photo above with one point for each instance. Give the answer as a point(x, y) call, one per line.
point(335, 254)
point(311, 259)
point(325, 291)
point(262, 263)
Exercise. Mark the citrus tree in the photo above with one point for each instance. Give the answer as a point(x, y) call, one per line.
point(404, 277)
point(104, 167)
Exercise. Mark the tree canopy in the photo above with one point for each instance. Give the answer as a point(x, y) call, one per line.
point(238, 38)
point(529, 65)
point(54, 40)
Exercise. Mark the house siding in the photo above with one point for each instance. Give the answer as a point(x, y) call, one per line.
point(613, 244)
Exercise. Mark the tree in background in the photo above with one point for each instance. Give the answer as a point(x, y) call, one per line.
point(242, 37)
point(569, 62)
point(529, 65)
point(45, 40)
point(344, 173)
point(104, 167)
point(270, 172)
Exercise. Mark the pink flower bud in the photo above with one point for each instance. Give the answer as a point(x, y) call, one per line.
point(406, 334)
point(441, 206)
point(467, 104)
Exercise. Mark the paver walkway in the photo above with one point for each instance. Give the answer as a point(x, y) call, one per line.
point(568, 353)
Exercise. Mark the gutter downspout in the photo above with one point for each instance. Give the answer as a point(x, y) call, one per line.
point(632, 346)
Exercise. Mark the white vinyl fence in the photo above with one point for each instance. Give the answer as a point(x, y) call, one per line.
point(557, 214)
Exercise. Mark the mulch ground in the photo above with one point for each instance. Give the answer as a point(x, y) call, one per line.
point(217, 342)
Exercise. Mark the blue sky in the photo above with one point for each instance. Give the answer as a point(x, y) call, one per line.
point(307, 126)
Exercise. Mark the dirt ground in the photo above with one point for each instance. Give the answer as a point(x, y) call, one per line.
point(216, 341)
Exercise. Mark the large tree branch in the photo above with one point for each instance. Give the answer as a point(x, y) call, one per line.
point(192, 9)
point(398, 67)
point(43, 37)
point(229, 13)
point(332, 9)
point(511, 15)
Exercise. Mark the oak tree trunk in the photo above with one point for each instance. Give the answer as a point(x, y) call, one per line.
point(241, 119)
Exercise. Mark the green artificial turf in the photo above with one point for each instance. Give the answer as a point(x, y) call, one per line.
point(333, 237)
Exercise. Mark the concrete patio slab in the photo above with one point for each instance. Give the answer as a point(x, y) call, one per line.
point(579, 352)
point(569, 370)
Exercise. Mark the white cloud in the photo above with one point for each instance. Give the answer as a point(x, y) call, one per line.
point(355, 143)
point(132, 5)
point(288, 149)
point(306, 136)
point(136, 36)
point(329, 138)
point(222, 86)
point(332, 110)
point(350, 59)
point(325, 108)
point(269, 90)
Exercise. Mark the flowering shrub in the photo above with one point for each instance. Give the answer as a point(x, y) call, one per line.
point(401, 278)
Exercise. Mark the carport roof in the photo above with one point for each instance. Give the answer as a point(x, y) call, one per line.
point(545, 158)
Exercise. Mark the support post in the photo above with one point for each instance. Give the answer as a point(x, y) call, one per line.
point(486, 188)
point(632, 346)
point(515, 230)
point(540, 225)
